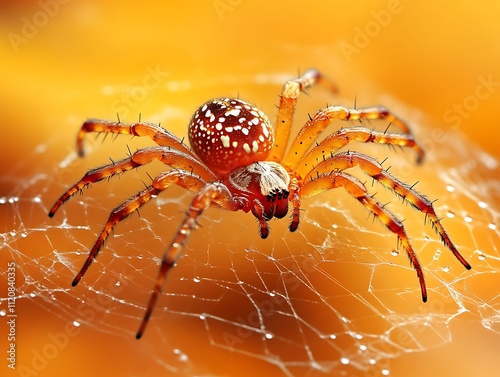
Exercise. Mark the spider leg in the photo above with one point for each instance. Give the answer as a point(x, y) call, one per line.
point(168, 156)
point(288, 102)
point(258, 212)
point(356, 189)
point(160, 183)
point(373, 168)
point(157, 133)
point(331, 144)
point(317, 124)
point(295, 200)
point(209, 194)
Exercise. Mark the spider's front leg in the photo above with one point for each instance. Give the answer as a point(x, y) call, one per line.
point(168, 156)
point(356, 189)
point(211, 193)
point(179, 177)
point(374, 169)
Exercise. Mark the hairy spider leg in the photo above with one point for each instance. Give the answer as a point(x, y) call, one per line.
point(322, 118)
point(157, 133)
point(209, 194)
point(332, 143)
point(288, 101)
point(168, 156)
point(164, 180)
point(356, 189)
point(374, 169)
point(294, 196)
point(258, 212)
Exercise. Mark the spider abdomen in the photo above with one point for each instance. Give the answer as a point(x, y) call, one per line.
point(227, 133)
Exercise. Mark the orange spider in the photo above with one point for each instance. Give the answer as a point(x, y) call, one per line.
point(237, 161)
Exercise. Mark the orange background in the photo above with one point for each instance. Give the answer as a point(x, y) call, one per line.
point(84, 57)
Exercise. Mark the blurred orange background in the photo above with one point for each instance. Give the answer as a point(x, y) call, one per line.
point(64, 61)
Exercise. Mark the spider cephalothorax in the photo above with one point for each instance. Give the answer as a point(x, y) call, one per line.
point(264, 185)
point(237, 161)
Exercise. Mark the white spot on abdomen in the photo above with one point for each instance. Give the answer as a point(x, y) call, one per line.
point(225, 141)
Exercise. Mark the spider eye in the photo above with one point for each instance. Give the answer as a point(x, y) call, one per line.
point(226, 133)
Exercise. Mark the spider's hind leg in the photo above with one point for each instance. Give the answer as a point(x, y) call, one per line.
point(286, 109)
point(157, 133)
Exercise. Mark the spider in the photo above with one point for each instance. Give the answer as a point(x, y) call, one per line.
point(238, 162)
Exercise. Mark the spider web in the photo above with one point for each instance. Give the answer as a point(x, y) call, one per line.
point(336, 297)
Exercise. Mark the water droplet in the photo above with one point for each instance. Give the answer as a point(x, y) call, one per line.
point(269, 336)
point(394, 252)
point(363, 347)
point(37, 199)
point(202, 317)
point(13, 233)
point(3, 200)
point(2, 313)
point(76, 323)
point(373, 361)
point(344, 360)
point(450, 215)
point(385, 372)
point(140, 256)
point(482, 204)
point(333, 336)
point(480, 255)
point(335, 226)
point(492, 226)
point(486, 323)
point(117, 284)
point(24, 235)
point(467, 219)
point(32, 294)
point(450, 188)
point(359, 336)
point(437, 254)
point(446, 268)
point(196, 279)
